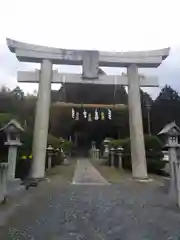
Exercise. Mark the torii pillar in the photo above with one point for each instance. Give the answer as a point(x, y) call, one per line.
point(138, 155)
point(42, 120)
point(90, 60)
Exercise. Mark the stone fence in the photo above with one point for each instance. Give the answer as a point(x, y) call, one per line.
point(112, 158)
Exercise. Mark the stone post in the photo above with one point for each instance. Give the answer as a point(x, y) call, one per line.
point(93, 150)
point(170, 134)
point(49, 162)
point(3, 181)
point(119, 152)
point(106, 150)
point(138, 158)
point(94, 154)
point(49, 153)
point(178, 181)
point(112, 153)
point(174, 188)
point(97, 154)
point(12, 155)
point(42, 120)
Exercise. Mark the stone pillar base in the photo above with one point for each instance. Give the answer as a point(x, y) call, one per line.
point(143, 180)
point(33, 182)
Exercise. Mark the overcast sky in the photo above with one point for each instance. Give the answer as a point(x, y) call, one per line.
point(110, 25)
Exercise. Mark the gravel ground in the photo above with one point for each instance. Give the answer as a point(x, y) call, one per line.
point(126, 211)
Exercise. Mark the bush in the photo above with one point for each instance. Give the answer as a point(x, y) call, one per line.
point(54, 141)
point(23, 167)
point(26, 139)
point(24, 164)
point(124, 143)
point(5, 118)
point(67, 146)
point(154, 155)
point(152, 142)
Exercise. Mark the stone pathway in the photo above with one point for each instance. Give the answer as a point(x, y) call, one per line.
point(86, 174)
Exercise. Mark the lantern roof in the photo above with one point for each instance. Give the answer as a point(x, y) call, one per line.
point(12, 125)
point(170, 129)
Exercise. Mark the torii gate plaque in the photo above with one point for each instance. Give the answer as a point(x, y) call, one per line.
point(90, 60)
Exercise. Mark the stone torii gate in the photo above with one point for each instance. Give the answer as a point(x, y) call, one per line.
point(90, 61)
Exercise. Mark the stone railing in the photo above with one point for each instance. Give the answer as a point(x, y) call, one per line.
point(115, 157)
point(3, 181)
point(95, 154)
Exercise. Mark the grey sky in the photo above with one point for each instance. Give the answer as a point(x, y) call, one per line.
point(110, 25)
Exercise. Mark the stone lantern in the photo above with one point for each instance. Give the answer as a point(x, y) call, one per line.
point(50, 152)
point(12, 130)
point(170, 135)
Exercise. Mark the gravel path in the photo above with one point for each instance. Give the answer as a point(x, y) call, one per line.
point(127, 211)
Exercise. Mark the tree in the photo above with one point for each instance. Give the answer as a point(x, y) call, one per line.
point(146, 104)
point(18, 93)
point(165, 109)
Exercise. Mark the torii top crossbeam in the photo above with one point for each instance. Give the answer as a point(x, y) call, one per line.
point(35, 53)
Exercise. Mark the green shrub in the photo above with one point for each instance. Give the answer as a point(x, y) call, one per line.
point(116, 143)
point(27, 140)
point(67, 146)
point(152, 142)
point(155, 165)
point(54, 141)
point(5, 118)
point(125, 143)
point(154, 155)
point(23, 167)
